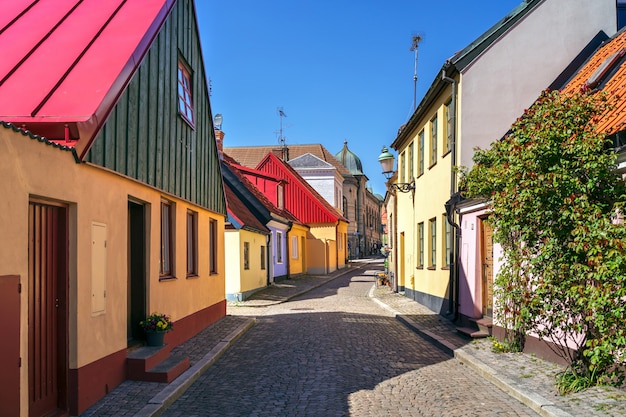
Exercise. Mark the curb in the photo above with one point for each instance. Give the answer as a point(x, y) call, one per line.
point(157, 404)
point(534, 401)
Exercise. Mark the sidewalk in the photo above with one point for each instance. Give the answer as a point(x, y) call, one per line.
point(524, 377)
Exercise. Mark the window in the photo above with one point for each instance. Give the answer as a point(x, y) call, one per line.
point(433, 141)
point(433, 242)
point(263, 258)
point(280, 190)
point(192, 243)
point(420, 245)
point(420, 154)
point(167, 243)
point(345, 207)
point(279, 247)
point(213, 246)
point(402, 167)
point(448, 128)
point(185, 102)
point(246, 255)
point(294, 247)
point(411, 162)
point(447, 242)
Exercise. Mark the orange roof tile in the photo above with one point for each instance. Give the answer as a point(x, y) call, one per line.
point(251, 156)
point(615, 119)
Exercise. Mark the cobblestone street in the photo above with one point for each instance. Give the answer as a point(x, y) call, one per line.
point(335, 352)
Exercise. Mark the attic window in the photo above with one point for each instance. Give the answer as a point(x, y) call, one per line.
point(604, 68)
point(185, 102)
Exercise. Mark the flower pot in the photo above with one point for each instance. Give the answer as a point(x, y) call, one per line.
point(155, 338)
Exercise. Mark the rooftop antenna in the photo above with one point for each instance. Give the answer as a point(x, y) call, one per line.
point(414, 44)
point(281, 138)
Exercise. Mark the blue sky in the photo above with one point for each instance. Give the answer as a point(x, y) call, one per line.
point(340, 70)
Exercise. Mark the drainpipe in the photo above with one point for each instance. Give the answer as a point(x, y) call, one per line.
point(268, 242)
point(453, 284)
point(288, 243)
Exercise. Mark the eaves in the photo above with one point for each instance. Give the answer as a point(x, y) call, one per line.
point(434, 91)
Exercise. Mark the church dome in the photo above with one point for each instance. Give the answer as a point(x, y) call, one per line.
point(350, 160)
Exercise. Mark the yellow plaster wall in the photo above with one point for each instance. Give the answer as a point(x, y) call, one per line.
point(296, 264)
point(342, 251)
point(233, 265)
point(30, 169)
point(320, 255)
point(255, 277)
point(432, 190)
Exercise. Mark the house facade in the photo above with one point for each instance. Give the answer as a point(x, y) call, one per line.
point(246, 240)
point(116, 205)
point(339, 179)
point(254, 209)
point(479, 92)
point(602, 71)
point(326, 238)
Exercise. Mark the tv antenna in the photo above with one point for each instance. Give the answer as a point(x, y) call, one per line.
point(281, 138)
point(415, 40)
point(281, 114)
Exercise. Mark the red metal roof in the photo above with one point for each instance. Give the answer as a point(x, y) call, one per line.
point(300, 198)
point(66, 62)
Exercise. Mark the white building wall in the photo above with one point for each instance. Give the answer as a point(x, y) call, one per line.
point(509, 76)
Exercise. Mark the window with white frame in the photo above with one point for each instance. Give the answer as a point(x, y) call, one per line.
point(279, 247)
point(185, 97)
point(294, 247)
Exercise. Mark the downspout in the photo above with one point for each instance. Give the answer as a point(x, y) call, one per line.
point(268, 241)
point(453, 284)
point(288, 251)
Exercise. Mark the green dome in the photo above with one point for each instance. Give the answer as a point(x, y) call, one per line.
point(349, 160)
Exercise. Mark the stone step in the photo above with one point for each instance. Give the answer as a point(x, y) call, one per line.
point(473, 332)
point(484, 324)
point(139, 360)
point(168, 370)
point(154, 364)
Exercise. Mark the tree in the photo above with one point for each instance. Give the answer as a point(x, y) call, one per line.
point(555, 197)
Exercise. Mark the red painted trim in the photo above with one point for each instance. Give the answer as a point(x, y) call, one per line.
point(188, 327)
point(92, 382)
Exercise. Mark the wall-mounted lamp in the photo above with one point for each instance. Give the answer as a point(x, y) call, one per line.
point(386, 160)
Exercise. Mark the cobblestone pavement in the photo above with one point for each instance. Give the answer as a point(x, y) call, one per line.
point(334, 352)
point(402, 377)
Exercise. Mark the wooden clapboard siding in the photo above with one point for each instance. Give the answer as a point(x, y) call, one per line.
point(145, 138)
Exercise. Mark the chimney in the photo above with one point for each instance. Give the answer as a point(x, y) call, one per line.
point(219, 140)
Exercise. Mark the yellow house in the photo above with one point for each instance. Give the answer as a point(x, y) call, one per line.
point(112, 199)
point(472, 102)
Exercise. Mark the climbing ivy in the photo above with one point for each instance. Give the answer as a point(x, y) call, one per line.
point(556, 201)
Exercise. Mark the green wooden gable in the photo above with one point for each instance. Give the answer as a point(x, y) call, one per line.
point(146, 138)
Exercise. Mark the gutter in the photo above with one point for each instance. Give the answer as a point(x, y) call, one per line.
point(455, 197)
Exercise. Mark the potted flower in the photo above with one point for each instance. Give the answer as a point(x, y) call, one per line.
point(155, 326)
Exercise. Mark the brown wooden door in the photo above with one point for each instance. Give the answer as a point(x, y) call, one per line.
point(10, 360)
point(47, 309)
point(487, 267)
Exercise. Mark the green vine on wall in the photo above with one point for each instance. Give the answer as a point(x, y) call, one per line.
point(554, 196)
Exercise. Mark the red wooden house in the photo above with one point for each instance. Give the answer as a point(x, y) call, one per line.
point(326, 245)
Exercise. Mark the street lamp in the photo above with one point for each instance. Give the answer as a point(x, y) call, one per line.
point(386, 160)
